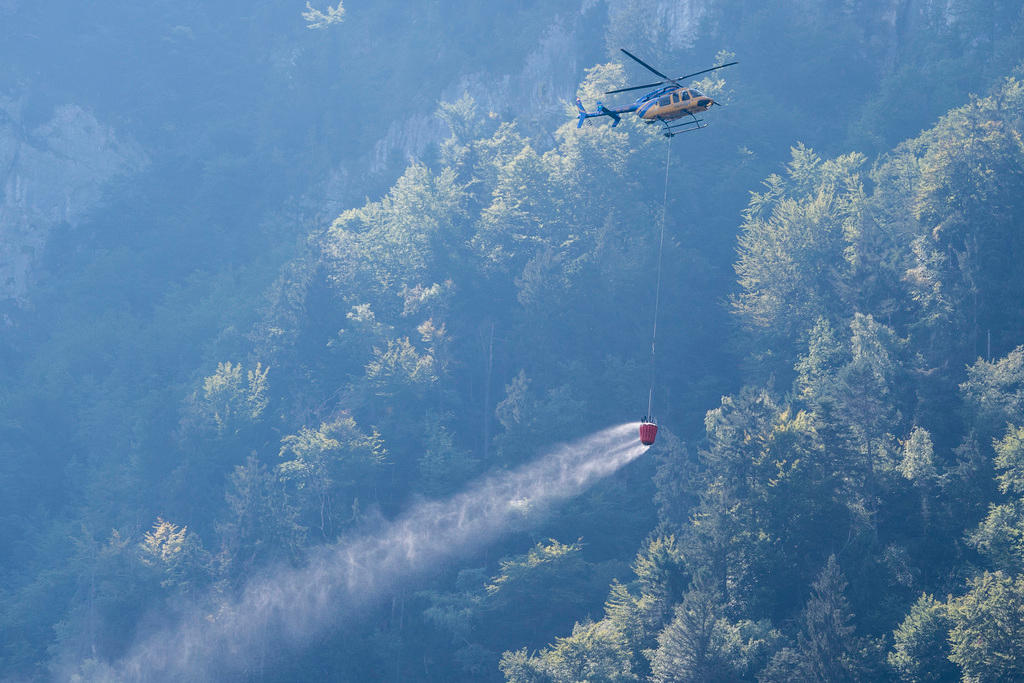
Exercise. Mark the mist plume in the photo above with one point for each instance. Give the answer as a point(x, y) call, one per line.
point(286, 608)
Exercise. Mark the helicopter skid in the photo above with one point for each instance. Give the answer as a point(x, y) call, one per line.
point(684, 127)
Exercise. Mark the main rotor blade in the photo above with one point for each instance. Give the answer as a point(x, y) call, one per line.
point(644, 64)
point(697, 73)
point(636, 87)
point(667, 79)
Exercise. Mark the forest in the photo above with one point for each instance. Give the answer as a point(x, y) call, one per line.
point(286, 282)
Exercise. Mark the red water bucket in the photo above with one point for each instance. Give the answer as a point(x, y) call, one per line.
point(648, 430)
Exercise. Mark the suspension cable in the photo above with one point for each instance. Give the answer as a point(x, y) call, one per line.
point(657, 289)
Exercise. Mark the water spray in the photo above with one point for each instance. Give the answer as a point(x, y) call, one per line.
point(289, 607)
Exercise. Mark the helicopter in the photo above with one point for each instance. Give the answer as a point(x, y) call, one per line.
point(670, 102)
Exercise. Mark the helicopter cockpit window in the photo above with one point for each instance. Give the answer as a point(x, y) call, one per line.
point(675, 97)
point(665, 101)
point(686, 96)
point(696, 93)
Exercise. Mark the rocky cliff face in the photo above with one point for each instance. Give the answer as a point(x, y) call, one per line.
point(50, 175)
point(537, 92)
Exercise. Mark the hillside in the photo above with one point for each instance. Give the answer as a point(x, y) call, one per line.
point(272, 290)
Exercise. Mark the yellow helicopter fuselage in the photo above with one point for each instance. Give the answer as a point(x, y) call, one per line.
point(674, 105)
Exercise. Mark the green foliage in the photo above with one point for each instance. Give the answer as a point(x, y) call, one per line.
point(918, 457)
point(971, 173)
point(826, 648)
point(318, 19)
point(920, 644)
point(462, 119)
point(531, 421)
point(519, 667)
point(540, 564)
point(816, 369)
point(636, 618)
point(772, 503)
point(512, 409)
point(986, 638)
point(594, 652)
point(674, 478)
point(443, 465)
point(660, 573)
point(827, 626)
point(552, 583)
point(260, 525)
point(326, 464)
point(521, 218)
point(995, 390)
point(456, 612)
point(532, 594)
point(700, 644)
point(232, 401)
point(864, 386)
point(176, 554)
point(926, 286)
point(798, 245)
point(114, 585)
point(1010, 460)
point(399, 240)
point(599, 79)
point(399, 364)
point(1000, 536)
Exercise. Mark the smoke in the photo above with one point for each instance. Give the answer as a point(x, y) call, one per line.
point(289, 607)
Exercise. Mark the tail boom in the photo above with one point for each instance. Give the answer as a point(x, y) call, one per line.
point(614, 114)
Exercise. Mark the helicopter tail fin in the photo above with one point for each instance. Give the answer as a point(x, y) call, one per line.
point(583, 113)
point(601, 111)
